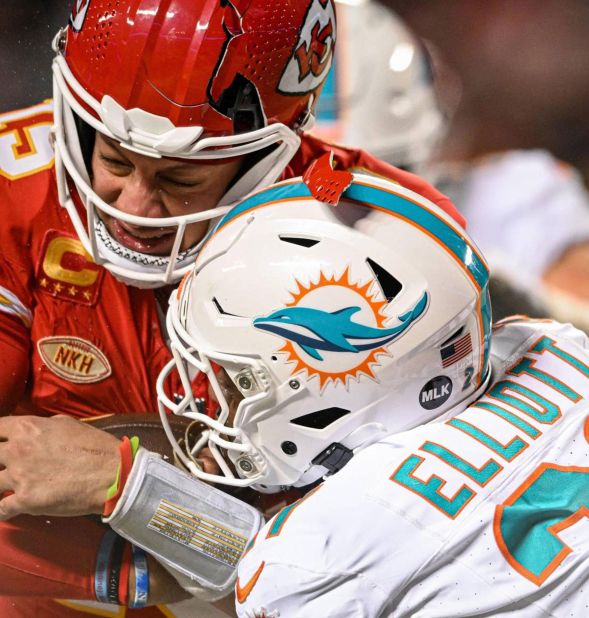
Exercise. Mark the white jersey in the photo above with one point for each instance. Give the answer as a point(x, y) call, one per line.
point(481, 514)
point(524, 209)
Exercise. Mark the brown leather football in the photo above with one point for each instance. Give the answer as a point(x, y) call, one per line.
point(151, 434)
point(148, 428)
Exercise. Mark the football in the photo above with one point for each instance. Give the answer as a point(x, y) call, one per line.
point(149, 429)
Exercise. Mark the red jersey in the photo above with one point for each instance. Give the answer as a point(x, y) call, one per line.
point(88, 344)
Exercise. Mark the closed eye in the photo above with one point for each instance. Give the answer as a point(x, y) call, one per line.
point(111, 162)
point(181, 183)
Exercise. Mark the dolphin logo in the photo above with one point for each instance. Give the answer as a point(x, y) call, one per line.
point(314, 329)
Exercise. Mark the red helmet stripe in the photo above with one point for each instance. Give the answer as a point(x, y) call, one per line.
point(200, 32)
point(150, 42)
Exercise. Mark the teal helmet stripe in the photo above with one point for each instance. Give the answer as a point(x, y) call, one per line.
point(427, 220)
point(277, 193)
point(375, 197)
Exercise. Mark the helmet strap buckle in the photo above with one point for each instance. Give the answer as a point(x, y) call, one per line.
point(334, 457)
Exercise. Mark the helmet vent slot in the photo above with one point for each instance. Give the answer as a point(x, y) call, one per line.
point(299, 240)
point(389, 285)
point(102, 30)
point(453, 336)
point(221, 310)
point(320, 419)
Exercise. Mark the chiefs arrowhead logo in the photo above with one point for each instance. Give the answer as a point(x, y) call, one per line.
point(79, 14)
point(315, 57)
point(313, 53)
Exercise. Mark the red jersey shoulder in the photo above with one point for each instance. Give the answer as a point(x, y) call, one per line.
point(26, 160)
point(41, 252)
point(356, 160)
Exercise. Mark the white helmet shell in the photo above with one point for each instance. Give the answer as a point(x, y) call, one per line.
point(337, 325)
point(379, 95)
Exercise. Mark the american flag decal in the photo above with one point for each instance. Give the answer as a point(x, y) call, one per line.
point(455, 351)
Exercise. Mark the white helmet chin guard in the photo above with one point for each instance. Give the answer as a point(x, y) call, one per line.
point(337, 325)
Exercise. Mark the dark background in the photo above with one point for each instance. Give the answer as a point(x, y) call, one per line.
point(27, 28)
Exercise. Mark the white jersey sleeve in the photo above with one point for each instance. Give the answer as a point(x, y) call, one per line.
point(482, 514)
point(524, 209)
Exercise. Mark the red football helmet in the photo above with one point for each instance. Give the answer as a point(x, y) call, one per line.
point(193, 79)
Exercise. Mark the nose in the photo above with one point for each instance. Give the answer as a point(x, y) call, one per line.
point(139, 197)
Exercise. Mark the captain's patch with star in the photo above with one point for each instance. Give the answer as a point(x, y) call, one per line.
point(66, 270)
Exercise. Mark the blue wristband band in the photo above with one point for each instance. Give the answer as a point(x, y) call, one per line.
point(101, 574)
point(141, 595)
point(116, 558)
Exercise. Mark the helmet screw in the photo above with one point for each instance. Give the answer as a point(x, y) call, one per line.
point(290, 448)
point(246, 465)
point(294, 384)
point(245, 383)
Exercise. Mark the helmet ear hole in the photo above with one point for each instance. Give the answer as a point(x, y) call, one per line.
point(289, 448)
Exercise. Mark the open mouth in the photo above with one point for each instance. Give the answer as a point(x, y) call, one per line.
point(153, 241)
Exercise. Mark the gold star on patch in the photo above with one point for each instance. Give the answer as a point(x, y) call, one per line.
point(86, 294)
point(43, 283)
point(72, 291)
point(57, 287)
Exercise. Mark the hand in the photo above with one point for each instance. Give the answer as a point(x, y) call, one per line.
point(54, 466)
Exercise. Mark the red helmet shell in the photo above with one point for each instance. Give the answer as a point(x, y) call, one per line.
point(183, 59)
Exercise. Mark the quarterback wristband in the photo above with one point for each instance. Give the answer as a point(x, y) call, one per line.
point(196, 530)
point(127, 450)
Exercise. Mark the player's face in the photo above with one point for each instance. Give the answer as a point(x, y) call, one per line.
point(147, 187)
point(231, 393)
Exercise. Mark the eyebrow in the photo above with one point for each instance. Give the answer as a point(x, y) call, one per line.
point(177, 168)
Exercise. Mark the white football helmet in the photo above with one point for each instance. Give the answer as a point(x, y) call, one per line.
point(149, 75)
point(379, 94)
point(336, 324)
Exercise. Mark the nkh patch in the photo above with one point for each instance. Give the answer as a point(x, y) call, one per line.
point(66, 270)
point(74, 359)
